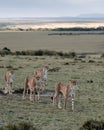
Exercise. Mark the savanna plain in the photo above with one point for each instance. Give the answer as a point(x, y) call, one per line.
point(87, 68)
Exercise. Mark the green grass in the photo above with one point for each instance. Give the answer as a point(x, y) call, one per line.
point(89, 102)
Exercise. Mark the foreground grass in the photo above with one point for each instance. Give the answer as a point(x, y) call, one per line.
point(88, 125)
point(89, 94)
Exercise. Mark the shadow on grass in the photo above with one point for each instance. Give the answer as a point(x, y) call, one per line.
point(20, 91)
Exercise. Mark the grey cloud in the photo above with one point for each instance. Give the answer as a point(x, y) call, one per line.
point(50, 7)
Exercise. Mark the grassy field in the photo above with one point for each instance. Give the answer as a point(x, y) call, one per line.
point(42, 40)
point(88, 72)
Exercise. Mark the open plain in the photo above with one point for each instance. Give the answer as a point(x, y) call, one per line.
point(87, 68)
point(18, 41)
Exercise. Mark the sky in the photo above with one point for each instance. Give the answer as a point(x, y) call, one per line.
point(49, 8)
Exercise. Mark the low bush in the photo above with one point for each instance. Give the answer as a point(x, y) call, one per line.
point(6, 51)
point(20, 126)
point(92, 125)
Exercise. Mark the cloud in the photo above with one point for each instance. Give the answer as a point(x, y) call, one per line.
point(51, 7)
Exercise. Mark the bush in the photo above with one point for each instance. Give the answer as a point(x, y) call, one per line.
point(92, 125)
point(20, 126)
point(102, 56)
point(39, 53)
point(7, 51)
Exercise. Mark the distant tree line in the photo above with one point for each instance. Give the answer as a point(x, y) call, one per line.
point(79, 29)
point(100, 28)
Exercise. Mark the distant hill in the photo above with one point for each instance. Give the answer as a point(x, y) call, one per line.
point(97, 16)
point(81, 17)
point(46, 23)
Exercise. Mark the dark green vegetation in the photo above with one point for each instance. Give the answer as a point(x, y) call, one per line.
point(7, 51)
point(92, 125)
point(20, 126)
point(79, 29)
point(88, 125)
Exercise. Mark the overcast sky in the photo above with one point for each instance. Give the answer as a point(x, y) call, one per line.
point(49, 8)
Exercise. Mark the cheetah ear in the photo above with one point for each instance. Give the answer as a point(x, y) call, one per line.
point(70, 80)
point(12, 71)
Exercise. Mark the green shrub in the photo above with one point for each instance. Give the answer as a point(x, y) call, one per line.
point(102, 56)
point(6, 51)
point(93, 125)
point(20, 126)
